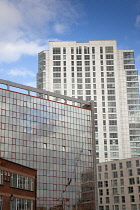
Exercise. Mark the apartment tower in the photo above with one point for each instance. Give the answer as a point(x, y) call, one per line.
point(98, 71)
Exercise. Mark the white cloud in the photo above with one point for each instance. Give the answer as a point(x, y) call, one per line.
point(60, 28)
point(23, 22)
point(21, 72)
point(137, 23)
point(11, 51)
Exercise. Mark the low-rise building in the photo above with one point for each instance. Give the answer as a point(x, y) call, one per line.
point(119, 184)
point(17, 186)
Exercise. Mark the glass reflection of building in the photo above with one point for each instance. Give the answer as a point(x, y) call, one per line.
point(53, 137)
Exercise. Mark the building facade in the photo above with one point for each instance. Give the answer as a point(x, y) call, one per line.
point(55, 138)
point(17, 186)
point(119, 184)
point(97, 70)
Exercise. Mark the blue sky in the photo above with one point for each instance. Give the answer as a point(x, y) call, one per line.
point(26, 26)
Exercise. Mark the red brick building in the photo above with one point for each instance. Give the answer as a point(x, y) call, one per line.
point(17, 186)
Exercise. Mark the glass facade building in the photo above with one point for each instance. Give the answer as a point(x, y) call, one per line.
point(54, 138)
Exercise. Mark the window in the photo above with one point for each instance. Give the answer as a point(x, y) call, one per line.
point(116, 199)
point(113, 166)
point(63, 148)
point(109, 62)
point(19, 203)
point(120, 166)
point(100, 184)
point(87, 57)
point(114, 183)
point(1, 177)
point(72, 50)
point(123, 199)
point(105, 183)
point(87, 86)
point(107, 191)
point(138, 180)
point(100, 192)
point(130, 172)
point(56, 68)
point(134, 206)
point(121, 181)
point(22, 182)
point(56, 50)
point(72, 57)
point(64, 50)
point(87, 68)
point(123, 207)
point(101, 200)
point(110, 68)
point(0, 202)
point(79, 68)
point(79, 57)
point(110, 56)
point(115, 191)
point(130, 190)
point(106, 168)
point(129, 66)
point(106, 175)
point(121, 173)
point(112, 122)
point(79, 74)
point(107, 200)
point(128, 55)
point(110, 80)
point(122, 190)
point(128, 164)
point(86, 50)
point(79, 80)
point(87, 80)
point(87, 63)
point(109, 49)
point(132, 198)
point(99, 176)
point(88, 92)
point(56, 57)
point(56, 74)
point(131, 181)
point(101, 56)
point(79, 86)
point(79, 63)
point(79, 92)
point(138, 171)
point(114, 174)
point(57, 63)
point(93, 50)
point(101, 49)
point(113, 135)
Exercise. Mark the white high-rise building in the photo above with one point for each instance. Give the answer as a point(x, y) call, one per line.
point(98, 71)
